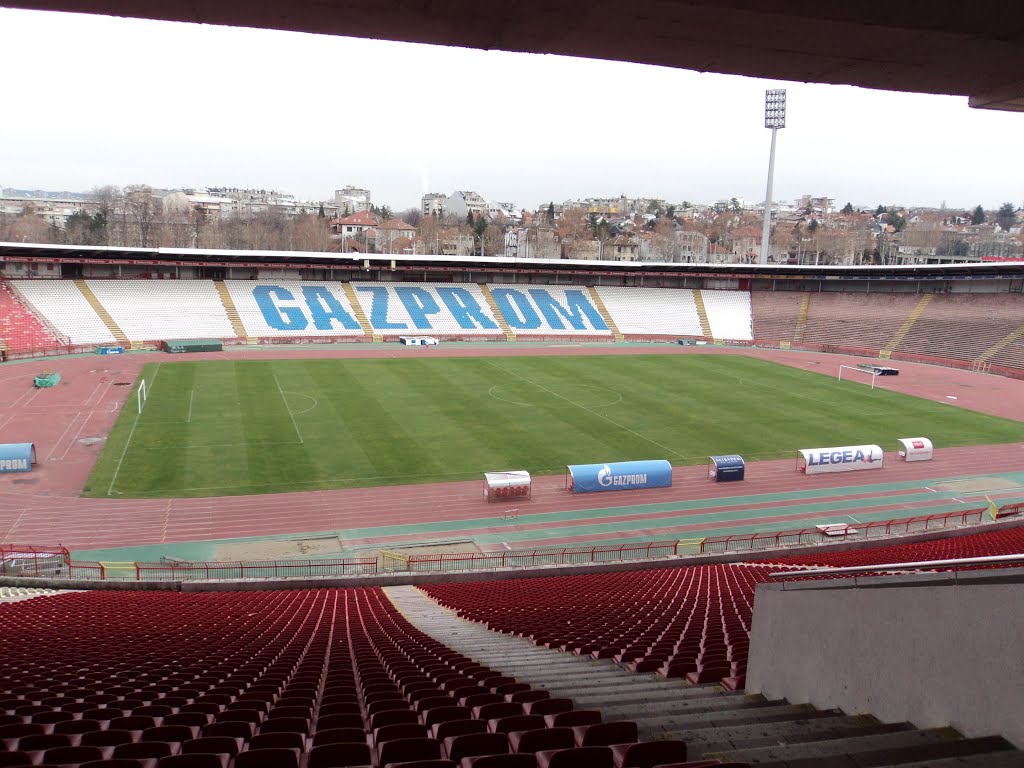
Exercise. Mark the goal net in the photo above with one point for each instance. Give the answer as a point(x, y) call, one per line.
point(850, 369)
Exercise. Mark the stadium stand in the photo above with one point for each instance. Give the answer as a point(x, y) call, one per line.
point(20, 329)
point(536, 310)
point(63, 306)
point(775, 315)
point(153, 309)
point(863, 320)
point(427, 308)
point(652, 311)
point(964, 327)
point(728, 314)
point(298, 320)
point(327, 677)
point(1002, 542)
point(691, 622)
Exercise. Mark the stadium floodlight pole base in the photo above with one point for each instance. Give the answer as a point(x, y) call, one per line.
point(870, 371)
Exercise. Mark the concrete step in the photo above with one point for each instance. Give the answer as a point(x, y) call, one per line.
point(832, 726)
point(733, 716)
point(1005, 759)
point(982, 751)
point(806, 754)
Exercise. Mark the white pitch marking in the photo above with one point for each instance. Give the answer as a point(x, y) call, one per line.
point(191, 396)
point(124, 452)
point(288, 408)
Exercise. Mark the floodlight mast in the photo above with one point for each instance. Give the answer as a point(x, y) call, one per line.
point(774, 118)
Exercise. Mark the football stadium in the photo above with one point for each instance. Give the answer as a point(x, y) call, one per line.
point(316, 510)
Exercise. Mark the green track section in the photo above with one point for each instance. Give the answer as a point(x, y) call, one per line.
point(240, 427)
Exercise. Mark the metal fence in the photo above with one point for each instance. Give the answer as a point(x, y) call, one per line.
point(56, 562)
point(32, 560)
point(529, 558)
point(759, 542)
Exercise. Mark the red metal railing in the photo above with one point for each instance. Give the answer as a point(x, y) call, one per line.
point(528, 558)
point(752, 542)
point(33, 560)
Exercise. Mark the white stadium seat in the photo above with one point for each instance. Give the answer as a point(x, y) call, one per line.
point(728, 314)
point(150, 310)
point(652, 311)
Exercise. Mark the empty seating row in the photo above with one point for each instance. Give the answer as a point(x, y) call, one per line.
point(1002, 542)
point(691, 622)
point(299, 679)
point(652, 311)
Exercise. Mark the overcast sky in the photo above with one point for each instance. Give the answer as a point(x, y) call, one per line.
point(91, 100)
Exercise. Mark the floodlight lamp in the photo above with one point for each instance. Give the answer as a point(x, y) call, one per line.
point(775, 108)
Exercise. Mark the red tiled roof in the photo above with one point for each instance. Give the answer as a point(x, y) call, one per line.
point(360, 219)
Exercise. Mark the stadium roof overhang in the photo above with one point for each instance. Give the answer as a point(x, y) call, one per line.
point(355, 262)
point(942, 46)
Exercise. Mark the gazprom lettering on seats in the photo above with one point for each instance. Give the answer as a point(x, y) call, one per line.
point(294, 308)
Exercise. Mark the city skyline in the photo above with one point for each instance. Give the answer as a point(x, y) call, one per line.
point(117, 101)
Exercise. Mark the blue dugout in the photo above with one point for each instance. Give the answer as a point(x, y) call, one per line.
point(723, 469)
point(17, 457)
point(618, 476)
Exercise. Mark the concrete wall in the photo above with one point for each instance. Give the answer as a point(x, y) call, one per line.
point(943, 649)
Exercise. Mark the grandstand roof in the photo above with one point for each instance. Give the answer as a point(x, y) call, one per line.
point(947, 47)
point(494, 264)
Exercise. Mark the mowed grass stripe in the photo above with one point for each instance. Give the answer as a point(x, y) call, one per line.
point(396, 421)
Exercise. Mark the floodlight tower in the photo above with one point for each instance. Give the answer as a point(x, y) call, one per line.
point(774, 118)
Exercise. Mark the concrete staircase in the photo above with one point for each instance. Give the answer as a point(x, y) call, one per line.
point(713, 722)
point(509, 333)
point(232, 311)
point(999, 346)
point(605, 315)
point(357, 309)
point(114, 328)
point(702, 313)
point(801, 318)
point(915, 313)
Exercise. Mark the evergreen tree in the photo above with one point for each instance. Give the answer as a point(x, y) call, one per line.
point(879, 210)
point(848, 208)
point(978, 217)
point(551, 214)
point(322, 214)
point(1006, 217)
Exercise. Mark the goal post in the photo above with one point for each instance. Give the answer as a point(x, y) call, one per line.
point(142, 395)
point(857, 369)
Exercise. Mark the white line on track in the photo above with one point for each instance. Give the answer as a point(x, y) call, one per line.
point(60, 439)
point(289, 409)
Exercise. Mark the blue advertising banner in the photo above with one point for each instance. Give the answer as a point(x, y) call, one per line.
point(618, 476)
point(17, 457)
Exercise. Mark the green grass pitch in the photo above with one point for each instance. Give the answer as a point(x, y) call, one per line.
point(223, 428)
